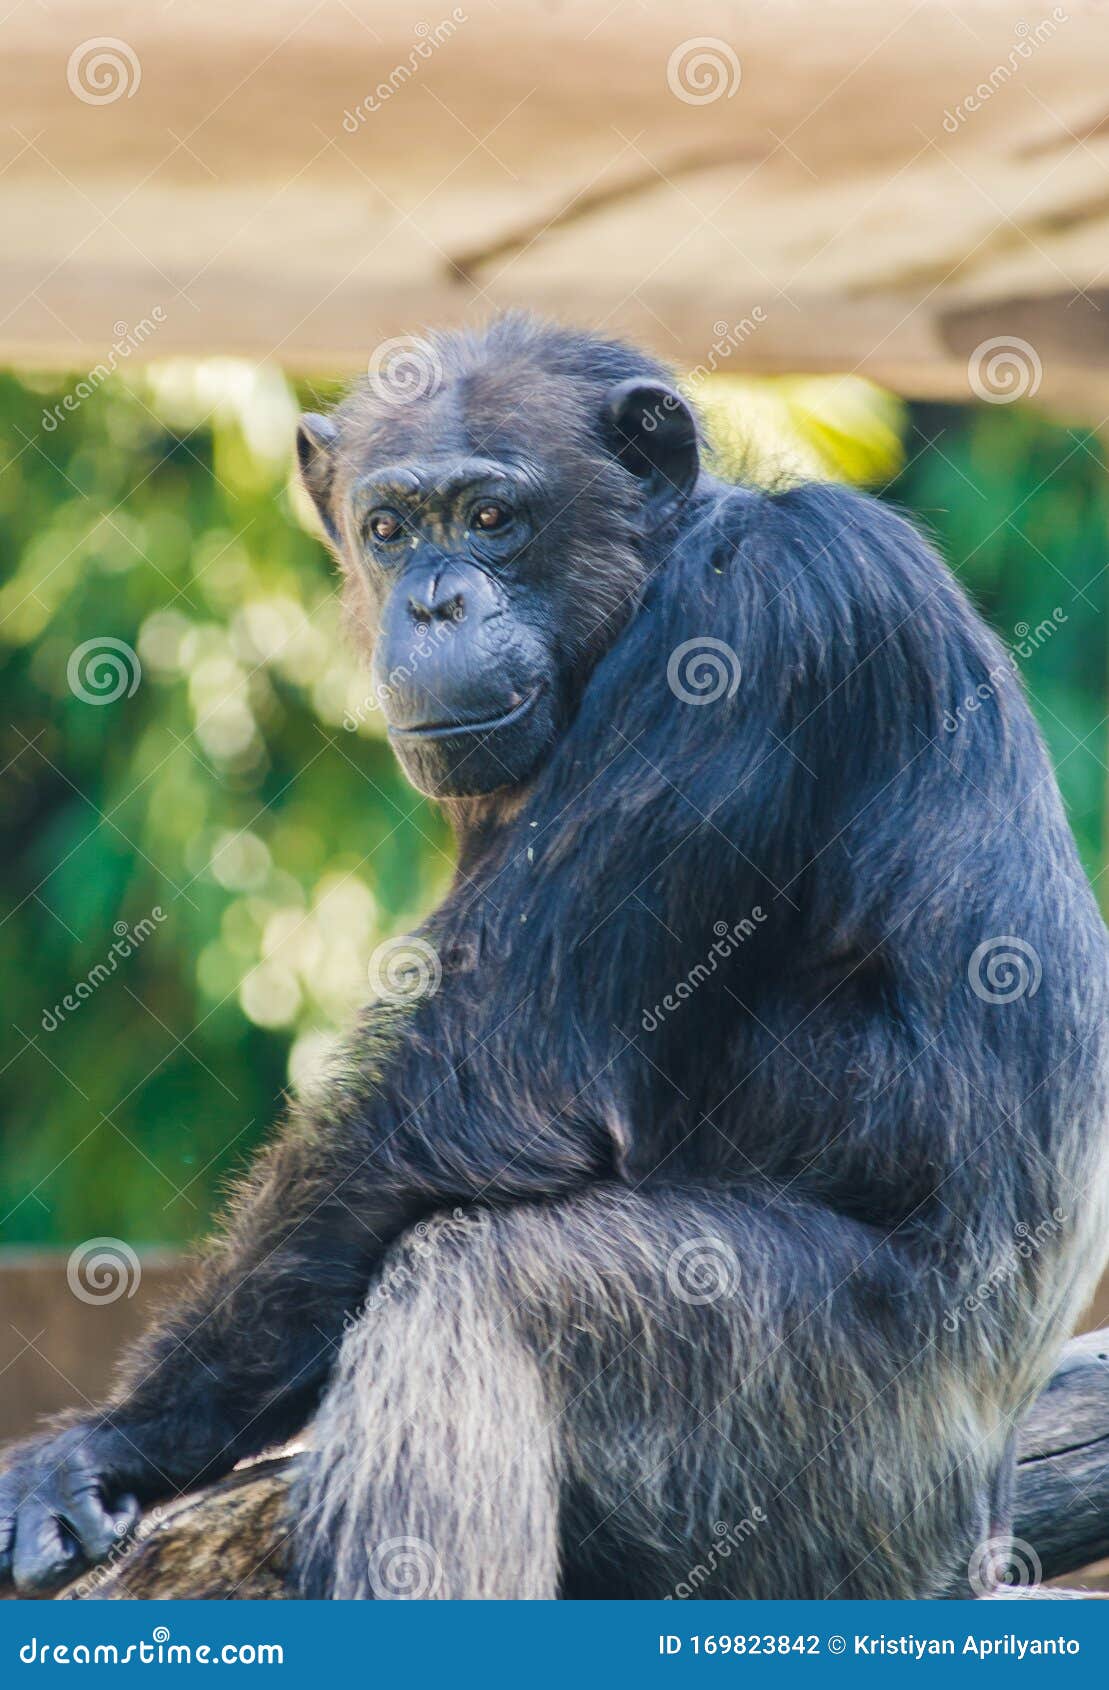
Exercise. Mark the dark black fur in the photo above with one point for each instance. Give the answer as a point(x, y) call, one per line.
point(853, 1129)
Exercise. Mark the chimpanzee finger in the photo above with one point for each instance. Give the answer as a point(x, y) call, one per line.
point(88, 1517)
point(12, 1489)
point(7, 1539)
point(45, 1555)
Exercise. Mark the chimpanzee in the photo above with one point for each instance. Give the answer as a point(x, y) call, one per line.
point(699, 1208)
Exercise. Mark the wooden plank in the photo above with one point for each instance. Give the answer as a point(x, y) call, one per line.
point(891, 187)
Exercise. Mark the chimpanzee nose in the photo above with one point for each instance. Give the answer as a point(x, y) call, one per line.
point(441, 598)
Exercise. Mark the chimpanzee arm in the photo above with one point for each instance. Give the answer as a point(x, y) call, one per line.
point(239, 1363)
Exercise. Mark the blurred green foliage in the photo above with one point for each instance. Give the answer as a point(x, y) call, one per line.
point(224, 792)
point(1018, 504)
point(235, 822)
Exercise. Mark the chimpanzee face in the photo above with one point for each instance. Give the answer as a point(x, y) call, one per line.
point(492, 534)
point(464, 659)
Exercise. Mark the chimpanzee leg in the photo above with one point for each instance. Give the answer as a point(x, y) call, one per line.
point(639, 1394)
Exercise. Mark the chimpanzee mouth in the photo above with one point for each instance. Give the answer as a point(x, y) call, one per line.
point(455, 730)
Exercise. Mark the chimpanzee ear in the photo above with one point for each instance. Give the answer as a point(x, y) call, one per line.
point(654, 435)
point(317, 439)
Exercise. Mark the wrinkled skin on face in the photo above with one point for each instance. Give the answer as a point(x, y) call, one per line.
point(491, 525)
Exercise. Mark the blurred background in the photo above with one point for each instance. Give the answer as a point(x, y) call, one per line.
point(874, 252)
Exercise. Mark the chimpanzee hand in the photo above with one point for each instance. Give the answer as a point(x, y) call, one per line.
point(66, 1500)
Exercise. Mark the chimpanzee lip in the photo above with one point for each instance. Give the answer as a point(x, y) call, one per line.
point(453, 730)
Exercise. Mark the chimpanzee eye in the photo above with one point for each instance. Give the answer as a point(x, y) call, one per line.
point(385, 526)
point(489, 515)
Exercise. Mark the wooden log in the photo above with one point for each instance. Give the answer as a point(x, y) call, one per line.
point(1062, 1497)
point(231, 1540)
point(225, 1542)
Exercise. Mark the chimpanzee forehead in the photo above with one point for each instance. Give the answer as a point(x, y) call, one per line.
point(505, 415)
